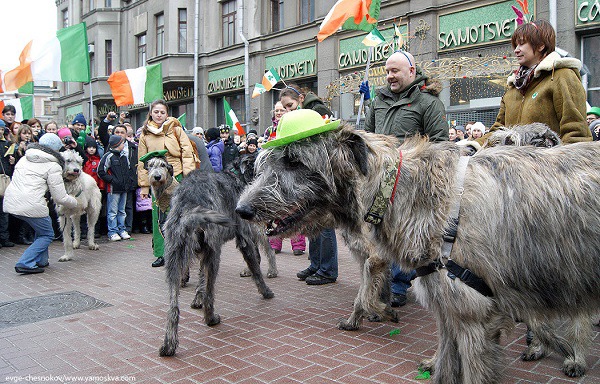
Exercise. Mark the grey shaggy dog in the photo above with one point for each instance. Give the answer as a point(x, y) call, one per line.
point(528, 227)
point(83, 187)
point(201, 219)
point(536, 134)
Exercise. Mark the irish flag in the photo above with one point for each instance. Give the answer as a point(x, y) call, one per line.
point(270, 79)
point(259, 89)
point(350, 14)
point(137, 86)
point(231, 119)
point(23, 104)
point(63, 57)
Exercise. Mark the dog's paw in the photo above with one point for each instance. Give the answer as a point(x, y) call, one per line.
point(93, 247)
point(212, 320)
point(196, 304)
point(167, 350)
point(533, 352)
point(76, 245)
point(245, 273)
point(272, 274)
point(268, 294)
point(64, 258)
point(427, 365)
point(573, 369)
point(345, 325)
point(374, 317)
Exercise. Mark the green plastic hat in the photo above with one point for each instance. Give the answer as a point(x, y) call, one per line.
point(300, 124)
point(594, 111)
point(152, 154)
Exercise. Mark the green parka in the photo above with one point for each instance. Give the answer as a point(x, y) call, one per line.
point(555, 97)
point(312, 101)
point(416, 110)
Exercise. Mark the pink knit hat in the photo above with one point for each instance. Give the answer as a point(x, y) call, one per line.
point(64, 132)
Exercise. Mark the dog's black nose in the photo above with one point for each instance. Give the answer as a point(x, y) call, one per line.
point(76, 170)
point(246, 212)
point(157, 177)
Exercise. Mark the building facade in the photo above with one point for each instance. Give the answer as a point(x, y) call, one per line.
point(465, 44)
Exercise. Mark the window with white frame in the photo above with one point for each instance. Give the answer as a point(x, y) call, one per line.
point(228, 11)
point(160, 34)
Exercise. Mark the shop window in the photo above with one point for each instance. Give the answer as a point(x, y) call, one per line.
point(462, 91)
point(228, 10)
point(237, 103)
point(591, 58)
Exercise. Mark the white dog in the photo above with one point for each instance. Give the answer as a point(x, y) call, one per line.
point(89, 201)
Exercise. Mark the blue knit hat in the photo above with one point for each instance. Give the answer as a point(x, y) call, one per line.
point(115, 141)
point(51, 141)
point(79, 119)
point(2, 123)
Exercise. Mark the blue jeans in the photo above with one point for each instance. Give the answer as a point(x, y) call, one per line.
point(401, 280)
point(323, 254)
point(115, 215)
point(37, 253)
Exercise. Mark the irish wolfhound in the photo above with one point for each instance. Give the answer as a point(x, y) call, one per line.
point(536, 134)
point(528, 228)
point(83, 187)
point(201, 219)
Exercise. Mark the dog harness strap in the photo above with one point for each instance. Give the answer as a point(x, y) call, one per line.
point(450, 233)
point(469, 278)
point(386, 192)
point(429, 268)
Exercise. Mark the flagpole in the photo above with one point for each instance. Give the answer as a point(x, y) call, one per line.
point(362, 95)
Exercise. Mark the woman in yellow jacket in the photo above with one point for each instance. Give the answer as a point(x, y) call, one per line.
point(162, 132)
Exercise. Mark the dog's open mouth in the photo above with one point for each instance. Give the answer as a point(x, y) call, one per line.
point(277, 226)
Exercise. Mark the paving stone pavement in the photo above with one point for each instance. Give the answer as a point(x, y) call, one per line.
point(291, 338)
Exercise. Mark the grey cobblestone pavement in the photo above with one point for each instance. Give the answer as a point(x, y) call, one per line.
point(291, 338)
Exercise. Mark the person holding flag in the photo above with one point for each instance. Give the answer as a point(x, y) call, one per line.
point(409, 105)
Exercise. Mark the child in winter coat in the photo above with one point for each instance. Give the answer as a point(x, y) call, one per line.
point(114, 170)
point(215, 148)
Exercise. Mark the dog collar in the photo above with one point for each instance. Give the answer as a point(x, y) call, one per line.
point(386, 192)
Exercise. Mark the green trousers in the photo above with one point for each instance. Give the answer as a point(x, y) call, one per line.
point(158, 240)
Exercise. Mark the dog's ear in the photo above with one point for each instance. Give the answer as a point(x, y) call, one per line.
point(170, 169)
point(359, 150)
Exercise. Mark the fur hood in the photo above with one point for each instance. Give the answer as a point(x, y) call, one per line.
point(421, 81)
point(549, 64)
point(40, 154)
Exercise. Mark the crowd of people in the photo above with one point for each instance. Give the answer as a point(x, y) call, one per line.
point(408, 105)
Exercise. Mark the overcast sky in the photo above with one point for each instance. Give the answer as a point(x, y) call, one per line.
point(22, 21)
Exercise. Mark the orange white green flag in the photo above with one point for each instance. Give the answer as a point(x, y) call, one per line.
point(270, 78)
point(62, 57)
point(23, 103)
point(137, 85)
point(350, 14)
point(231, 119)
point(259, 89)
point(373, 39)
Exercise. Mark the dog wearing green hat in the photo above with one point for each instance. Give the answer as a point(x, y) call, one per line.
point(300, 124)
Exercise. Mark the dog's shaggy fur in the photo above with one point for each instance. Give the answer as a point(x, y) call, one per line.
point(83, 187)
point(202, 218)
point(528, 227)
point(536, 134)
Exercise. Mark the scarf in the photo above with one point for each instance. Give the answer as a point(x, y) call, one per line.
point(155, 129)
point(523, 78)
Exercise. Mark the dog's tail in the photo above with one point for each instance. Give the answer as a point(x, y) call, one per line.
point(200, 216)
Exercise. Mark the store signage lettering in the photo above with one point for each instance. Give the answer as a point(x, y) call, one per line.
point(103, 109)
point(588, 12)
point(178, 93)
point(302, 68)
point(354, 58)
point(498, 22)
point(232, 82)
